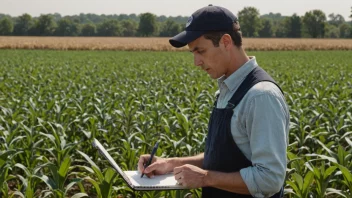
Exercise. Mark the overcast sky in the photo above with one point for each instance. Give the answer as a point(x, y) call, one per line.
point(169, 7)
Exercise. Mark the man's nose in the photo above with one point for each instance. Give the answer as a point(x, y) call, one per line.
point(197, 60)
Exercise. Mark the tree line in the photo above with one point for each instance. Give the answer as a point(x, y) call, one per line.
point(313, 24)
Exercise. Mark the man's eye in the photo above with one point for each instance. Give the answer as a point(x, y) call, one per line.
point(201, 51)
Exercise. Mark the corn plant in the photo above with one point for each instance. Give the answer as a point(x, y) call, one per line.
point(103, 185)
point(322, 177)
point(347, 181)
point(53, 103)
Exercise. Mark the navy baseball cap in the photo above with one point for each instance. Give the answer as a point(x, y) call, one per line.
point(206, 19)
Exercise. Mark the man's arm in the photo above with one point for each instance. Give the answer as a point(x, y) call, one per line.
point(195, 177)
point(196, 160)
point(232, 182)
point(267, 124)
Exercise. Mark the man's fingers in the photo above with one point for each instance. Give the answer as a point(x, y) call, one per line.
point(177, 170)
point(142, 160)
point(151, 168)
point(150, 175)
point(178, 175)
point(179, 178)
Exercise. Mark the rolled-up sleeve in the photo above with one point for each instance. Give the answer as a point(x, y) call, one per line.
point(267, 127)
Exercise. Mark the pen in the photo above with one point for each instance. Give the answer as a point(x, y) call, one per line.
point(151, 157)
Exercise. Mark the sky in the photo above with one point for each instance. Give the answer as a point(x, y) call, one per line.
point(170, 7)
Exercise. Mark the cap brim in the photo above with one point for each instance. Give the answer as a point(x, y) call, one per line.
point(184, 38)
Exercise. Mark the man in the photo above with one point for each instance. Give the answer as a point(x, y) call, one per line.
point(245, 152)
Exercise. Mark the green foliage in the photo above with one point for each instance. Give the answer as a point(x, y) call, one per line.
point(322, 177)
point(277, 28)
point(269, 25)
point(332, 31)
point(45, 25)
point(103, 185)
point(130, 27)
point(345, 30)
point(67, 27)
point(170, 28)
point(23, 25)
point(109, 28)
point(88, 29)
point(314, 22)
point(336, 20)
point(347, 180)
point(249, 21)
point(301, 185)
point(293, 26)
point(267, 30)
point(53, 103)
point(147, 24)
point(6, 26)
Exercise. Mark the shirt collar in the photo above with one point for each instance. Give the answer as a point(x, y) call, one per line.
point(236, 78)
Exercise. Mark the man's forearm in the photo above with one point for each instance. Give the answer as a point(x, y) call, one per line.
point(232, 182)
point(179, 161)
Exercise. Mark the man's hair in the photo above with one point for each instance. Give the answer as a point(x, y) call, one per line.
point(236, 35)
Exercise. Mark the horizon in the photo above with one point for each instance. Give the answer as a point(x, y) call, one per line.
point(37, 7)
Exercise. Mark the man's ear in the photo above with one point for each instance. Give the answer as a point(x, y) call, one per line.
point(226, 40)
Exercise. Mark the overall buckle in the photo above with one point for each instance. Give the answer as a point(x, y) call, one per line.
point(230, 105)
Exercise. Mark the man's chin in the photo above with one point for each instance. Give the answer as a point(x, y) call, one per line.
point(213, 77)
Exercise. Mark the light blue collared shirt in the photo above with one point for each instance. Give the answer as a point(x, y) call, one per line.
point(259, 126)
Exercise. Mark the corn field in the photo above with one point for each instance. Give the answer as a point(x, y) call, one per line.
point(53, 103)
point(162, 43)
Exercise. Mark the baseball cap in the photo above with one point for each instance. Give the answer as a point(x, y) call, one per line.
point(209, 18)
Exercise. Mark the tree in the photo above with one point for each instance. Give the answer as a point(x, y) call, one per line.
point(267, 30)
point(88, 29)
point(250, 21)
point(345, 30)
point(23, 25)
point(336, 20)
point(4, 16)
point(6, 26)
point(109, 28)
point(314, 23)
point(129, 27)
point(162, 18)
point(66, 27)
point(123, 17)
point(280, 30)
point(332, 31)
point(293, 26)
point(273, 16)
point(94, 18)
point(147, 24)
point(83, 19)
point(170, 28)
point(45, 25)
point(56, 16)
point(133, 17)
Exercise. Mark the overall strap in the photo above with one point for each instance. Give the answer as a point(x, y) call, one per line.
point(255, 76)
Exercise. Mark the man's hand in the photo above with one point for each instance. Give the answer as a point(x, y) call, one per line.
point(158, 166)
point(190, 176)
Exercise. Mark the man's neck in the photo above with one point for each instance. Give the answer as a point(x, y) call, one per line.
point(238, 59)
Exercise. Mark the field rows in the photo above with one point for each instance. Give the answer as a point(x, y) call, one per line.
point(162, 44)
point(53, 103)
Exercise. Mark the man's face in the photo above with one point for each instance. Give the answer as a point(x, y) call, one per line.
point(211, 59)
